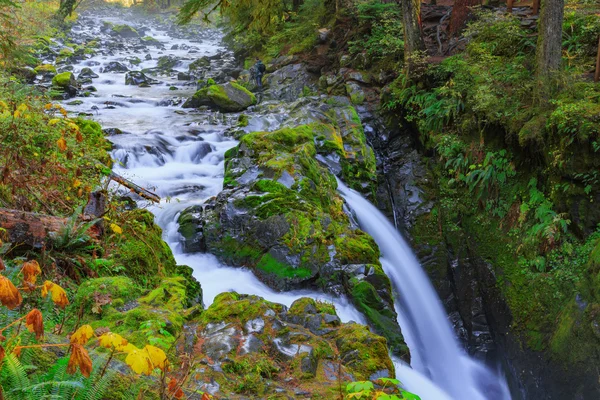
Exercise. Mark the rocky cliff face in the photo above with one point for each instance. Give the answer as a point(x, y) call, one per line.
point(460, 260)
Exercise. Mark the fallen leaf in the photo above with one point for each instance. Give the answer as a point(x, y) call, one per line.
point(62, 144)
point(59, 296)
point(2, 266)
point(79, 137)
point(30, 270)
point(116, 228)
point(174, 389)
point(35, 323)
point(2, 353)
point(79, 359)
point(54, 121)
point(82, 335)
point(9, 294)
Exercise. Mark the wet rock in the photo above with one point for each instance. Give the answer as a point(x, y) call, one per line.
point(124, 31)
point(191, 226)
point(355, 92)
point(66, 83)
point(167, 63)
point(115, 66)
point(137, 78)
point(229, 97)
point(183, 76)
point(289, 83)
point(87, 73)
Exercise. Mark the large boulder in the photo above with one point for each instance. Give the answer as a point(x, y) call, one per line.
point(229, 97)
point(65, 82)
point(115, 66)
point(280, 214)
point(124, 31)
point(138, 78)
point(275, 352)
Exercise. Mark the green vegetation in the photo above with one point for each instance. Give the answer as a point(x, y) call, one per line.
point(513, 165)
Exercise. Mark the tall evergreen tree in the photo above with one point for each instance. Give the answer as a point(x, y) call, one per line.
point(413, 30)
point(549, 44)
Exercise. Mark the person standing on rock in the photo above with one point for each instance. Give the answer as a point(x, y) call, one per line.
point(259, 69)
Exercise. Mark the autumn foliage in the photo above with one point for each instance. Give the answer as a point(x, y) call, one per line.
point(142, 361)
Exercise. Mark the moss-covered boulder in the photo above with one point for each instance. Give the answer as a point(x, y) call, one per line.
point(139, 252)
point(45, 69)
point(229, 97)
point(260, 349)
point(124, 31)
point(64, 80)
point(142, 316)
point(281, 215)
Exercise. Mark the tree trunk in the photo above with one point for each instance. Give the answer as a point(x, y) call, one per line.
point(597, 74)
point(460, 13)
point(549, 46)
point(27, 228)
point(509, 6)
point(413, 31)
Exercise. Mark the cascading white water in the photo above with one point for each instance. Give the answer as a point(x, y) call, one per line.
point(434, 348)
point(180, 156)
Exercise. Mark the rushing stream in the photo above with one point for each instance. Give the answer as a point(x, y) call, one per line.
point(180, 155)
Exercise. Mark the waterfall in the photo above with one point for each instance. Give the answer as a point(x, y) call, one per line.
point(434, 349)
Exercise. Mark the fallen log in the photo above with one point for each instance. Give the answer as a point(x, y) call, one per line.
point(145, 193)
point(31, 229)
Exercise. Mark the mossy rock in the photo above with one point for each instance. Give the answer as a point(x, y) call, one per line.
point(295, 232)
point(64, 80)
point(45, 69)
point(265, 350)
point(125, 31)
point(140, 249)
point(229, 97)
point(113, 291)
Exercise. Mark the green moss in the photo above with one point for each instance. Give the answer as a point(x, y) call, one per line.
point(369, 350)
point(141, 250)
point(63, 79)
point(118, 289)
point(383, 319)
point(270, 265)
point(45, 68)
point(230, 305)
point(124, 30)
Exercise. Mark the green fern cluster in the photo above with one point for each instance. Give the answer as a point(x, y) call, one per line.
point(20, 382)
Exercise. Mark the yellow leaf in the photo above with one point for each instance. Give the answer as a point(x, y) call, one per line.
point(62, 144)
point(82, 335)
point(128, 348)
point(139, 361)
point(157, 357)
point(73, 126)
point(76, 183)
point(113, 340)
point(3, 105)
point(9, 294)
point(17, 114)
point(54, 121)
point(22, 107)
point(59, 296)
point(47, 106)
point(116, 228)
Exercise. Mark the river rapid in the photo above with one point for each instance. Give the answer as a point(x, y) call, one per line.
point(179, 154)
